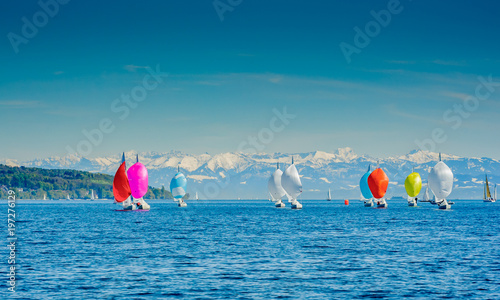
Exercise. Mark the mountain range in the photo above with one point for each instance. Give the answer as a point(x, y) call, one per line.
point(244, 175)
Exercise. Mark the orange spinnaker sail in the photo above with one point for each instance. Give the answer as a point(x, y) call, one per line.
point(378, 182)
point(121, 187)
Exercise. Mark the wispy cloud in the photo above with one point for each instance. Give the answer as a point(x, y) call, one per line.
point(449, 63)
point(133, 68)
point(20, 104)
point(402, 62)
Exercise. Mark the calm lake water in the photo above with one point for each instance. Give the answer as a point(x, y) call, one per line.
point(251, 250)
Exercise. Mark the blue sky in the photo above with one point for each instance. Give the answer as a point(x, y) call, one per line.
point(226, 77)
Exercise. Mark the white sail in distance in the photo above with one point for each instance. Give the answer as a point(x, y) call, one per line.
point(274, 185)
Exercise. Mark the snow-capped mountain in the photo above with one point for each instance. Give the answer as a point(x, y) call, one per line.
point(243, 175)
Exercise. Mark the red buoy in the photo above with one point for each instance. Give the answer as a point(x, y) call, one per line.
point(346, 201)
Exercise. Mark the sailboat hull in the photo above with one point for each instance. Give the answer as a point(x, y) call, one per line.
point(489, 200)
point(381, 203)
point(182, 204)
point(280, 205)
point(368, 204)
point(131, 210)
point(445, 206)
point(296, 205)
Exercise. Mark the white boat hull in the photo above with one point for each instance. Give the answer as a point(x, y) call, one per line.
point(296, 205)
point(368, 203)
point(382, 203)
point(182, 204)
point(280, 205)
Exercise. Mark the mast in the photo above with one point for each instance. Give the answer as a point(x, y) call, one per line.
point(123, 157)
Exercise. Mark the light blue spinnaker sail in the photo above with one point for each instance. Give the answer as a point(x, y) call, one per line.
point(363, 185)
point(178, 185)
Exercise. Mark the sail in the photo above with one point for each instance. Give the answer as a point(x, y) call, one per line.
point(441, 180)
point(121, 187)
point(329, 195)
point(413, 184)
point(138, 180)
point(487, 187)
point(378, 182)
point(178, 186)
point(363, 185)
point(197, 196)
point(290, 181)
point(274, 185)
point(426, 195)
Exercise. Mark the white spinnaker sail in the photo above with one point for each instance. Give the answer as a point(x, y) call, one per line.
point(441, 180)
point(274, 185)
point(290, 181)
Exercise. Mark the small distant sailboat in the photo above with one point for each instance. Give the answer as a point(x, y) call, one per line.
point(196, 196)
point(67, 197)
point(413, 185)
point(92, 197)
point(427, 198)
point(487, 197)
point(366, 194)
point(441, 183)
point(290, 180)
point(44, 196)
point(329, 196)
point(276, 191)
point(178, 187)
point(378, 183)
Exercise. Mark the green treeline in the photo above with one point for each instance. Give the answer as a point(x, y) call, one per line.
point(34, 183)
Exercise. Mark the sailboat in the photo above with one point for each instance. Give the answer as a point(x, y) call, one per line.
point(92, 197)
point(366, 194)
point(44, 196)
point(441, 183)
point(413, 185)
point(426, 194)
point(290, 181)
point(67, 197)
point(121, 187)
point(138, 180)
point(178, 187)
point(378, 183)
point(276, 191)
point(196, 196)
point(329, 196)
point(487, 197)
